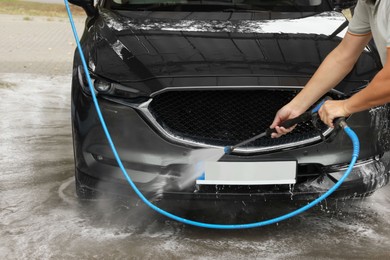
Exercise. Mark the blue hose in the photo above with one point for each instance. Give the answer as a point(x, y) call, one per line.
point(347, 130)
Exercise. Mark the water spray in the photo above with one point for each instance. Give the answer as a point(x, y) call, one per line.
point(341, 123)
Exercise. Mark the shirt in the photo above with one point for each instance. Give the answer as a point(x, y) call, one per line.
point(375, 19)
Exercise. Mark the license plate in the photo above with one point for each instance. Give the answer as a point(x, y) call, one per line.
point(249, 173)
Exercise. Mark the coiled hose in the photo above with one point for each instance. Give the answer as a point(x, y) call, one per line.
point(347, 130)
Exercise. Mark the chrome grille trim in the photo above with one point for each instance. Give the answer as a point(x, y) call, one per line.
point(144, 109)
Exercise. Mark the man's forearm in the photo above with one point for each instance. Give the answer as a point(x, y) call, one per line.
point(332, 70)
point(375, 94)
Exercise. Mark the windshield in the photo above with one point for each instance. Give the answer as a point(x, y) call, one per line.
point(221, 5)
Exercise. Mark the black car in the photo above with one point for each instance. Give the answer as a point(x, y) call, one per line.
point(178, 77)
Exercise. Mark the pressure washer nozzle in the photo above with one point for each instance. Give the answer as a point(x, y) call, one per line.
point(228, 149)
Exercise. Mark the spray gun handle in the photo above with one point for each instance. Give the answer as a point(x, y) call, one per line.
point(319, 105)
point(300, 119)
point(291, 122)
point(340, 121)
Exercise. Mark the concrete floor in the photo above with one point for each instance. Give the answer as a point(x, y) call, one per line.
point(47, 1)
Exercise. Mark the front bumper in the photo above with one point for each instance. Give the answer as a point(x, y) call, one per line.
point(366, 177)
point(148, 158)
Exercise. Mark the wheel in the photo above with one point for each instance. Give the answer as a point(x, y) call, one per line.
point(85, 193)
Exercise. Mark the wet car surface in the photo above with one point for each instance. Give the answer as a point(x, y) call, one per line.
point(41, 217)
point(179, 78)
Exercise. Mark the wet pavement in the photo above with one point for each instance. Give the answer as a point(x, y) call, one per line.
point(47, 1)
point(41, 217)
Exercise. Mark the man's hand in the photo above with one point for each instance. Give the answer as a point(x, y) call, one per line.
point(285, 113)
point(331, 110)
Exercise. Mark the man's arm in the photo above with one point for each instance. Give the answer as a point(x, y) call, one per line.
point(375, 94)
point(331, 71)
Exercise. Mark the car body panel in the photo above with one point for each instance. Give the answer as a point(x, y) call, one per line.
point(160, 53)
point(153, 52)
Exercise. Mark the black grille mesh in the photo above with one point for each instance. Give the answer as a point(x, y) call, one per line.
point(226, 117)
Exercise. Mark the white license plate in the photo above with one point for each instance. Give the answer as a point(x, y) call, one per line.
point(249, 173)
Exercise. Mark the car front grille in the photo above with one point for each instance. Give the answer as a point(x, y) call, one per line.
point(226, 117)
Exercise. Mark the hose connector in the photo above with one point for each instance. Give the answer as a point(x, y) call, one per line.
point(340, 121)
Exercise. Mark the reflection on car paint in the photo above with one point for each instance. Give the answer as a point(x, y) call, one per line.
point(324, 23)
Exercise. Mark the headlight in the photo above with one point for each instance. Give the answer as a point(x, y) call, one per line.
point(104, 87)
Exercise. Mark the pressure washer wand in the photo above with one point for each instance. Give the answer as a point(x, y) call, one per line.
point(286, 124)
point(308, 115)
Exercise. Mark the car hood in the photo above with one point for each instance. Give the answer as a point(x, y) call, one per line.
point(213, 49)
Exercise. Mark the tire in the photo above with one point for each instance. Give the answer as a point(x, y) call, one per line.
point(85, 193)
point(365, 195)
